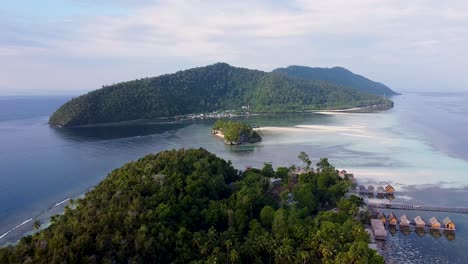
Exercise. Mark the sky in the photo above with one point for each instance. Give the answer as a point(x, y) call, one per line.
point(73, 46)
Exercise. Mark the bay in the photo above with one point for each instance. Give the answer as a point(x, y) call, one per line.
point(419, 147)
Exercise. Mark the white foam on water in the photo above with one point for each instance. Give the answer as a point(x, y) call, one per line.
point(23, 223)
point(64, 201)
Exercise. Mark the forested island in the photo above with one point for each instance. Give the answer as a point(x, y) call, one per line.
point(235, 132)
point(189, 206)
point(206, 89)
point(337, 75)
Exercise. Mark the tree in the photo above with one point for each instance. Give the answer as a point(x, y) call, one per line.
point(305, 158)
point(37, 224)
point(268, 170)
point(267, 215)
point(323, 163)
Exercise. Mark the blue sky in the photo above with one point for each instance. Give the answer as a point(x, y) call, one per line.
point(72, 46)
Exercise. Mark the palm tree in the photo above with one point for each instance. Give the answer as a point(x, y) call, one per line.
point(37, 224)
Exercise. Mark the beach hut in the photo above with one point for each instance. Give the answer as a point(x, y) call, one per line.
point(419, 222)
point(389, 190)
point(404, 221)
point(435, 224)
point(448, 224)
point(382, 217)
point(392, 219)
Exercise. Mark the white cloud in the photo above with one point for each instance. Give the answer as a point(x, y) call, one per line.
point(360, 34)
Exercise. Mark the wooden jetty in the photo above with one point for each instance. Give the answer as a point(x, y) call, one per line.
point(400, 206)
point(378, 229)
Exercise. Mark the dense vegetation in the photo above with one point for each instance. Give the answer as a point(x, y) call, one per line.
point(189, 206)
point(236, 132)
point(201, 90)
point(336, 75)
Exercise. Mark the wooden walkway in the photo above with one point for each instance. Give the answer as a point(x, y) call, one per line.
point(461, 210)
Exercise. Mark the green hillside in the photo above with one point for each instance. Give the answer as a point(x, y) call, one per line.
point(338, 76)
point(189, 206)
point(215, 87)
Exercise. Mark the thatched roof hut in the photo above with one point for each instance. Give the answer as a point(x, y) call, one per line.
point(419, 221)
point(434, 222)
point(448, 224)
point(404, 221)
point(392, 219)
point(382, 217)
point(389, 189)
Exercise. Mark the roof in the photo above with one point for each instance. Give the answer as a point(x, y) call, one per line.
point(418, 220)
point(380, 215)
point(343, 171)
point(391, 215)
point(370, 187)
point(389, 188)
point(404, 219)
point(433, 220)
point(362, 187)
point(380, 188)
point(447, 221)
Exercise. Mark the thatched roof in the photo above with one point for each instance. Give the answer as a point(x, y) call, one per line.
point(433, 221)
point(380, 188)
point(391, 216)
point(389, 188)
point(447, 221)
point(418, 220)
point(404, 220)
point(370, 187)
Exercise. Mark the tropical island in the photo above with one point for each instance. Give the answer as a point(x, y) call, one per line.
point(189, 206)
point(235, 132)
point(211, 88)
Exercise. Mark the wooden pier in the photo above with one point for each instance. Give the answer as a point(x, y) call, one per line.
point(400, 206)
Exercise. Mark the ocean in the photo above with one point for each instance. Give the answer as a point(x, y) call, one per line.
point(419, 146)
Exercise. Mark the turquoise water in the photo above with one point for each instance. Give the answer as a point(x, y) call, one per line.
point(419, 147)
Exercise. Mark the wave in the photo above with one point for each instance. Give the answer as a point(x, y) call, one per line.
point(23, 223)
point(64, 201)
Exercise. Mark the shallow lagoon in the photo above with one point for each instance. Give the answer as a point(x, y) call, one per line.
point(405, 146)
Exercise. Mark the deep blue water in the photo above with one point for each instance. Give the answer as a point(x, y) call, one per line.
point(419, 146)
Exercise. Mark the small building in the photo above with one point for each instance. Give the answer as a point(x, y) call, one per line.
point(404, 221)
point(371, 189)
point(392, 219)
point(380, 191)
point(342, 173)
point(378, 229)
point(362, 189)
point(275, 181)
point(381, 216)
point(389, 190)
point(448, 224)
point(435, 224)
point(419, 222)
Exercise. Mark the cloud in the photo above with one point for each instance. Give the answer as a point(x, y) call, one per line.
point(361, 34)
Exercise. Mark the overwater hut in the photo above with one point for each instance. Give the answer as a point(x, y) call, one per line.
point(435, 224)
point(380, 191)
point(419, 222)
point(362, 189)
point(378, 229)
point(389, 190)
point(448, 224)
point(392, 219)
point(404, 221)
point(381, 216)
point(370, 189)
